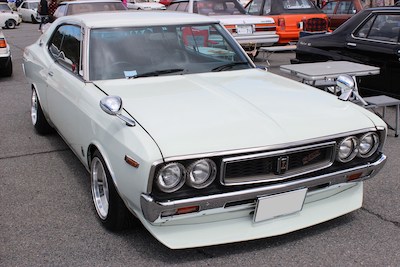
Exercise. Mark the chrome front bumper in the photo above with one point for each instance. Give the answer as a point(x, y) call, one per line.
point(152, 210)
point(261, 40)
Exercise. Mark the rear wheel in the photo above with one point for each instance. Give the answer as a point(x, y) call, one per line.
point(110, 208)
point(10, 24)
point(39, 121)
point(8, 69)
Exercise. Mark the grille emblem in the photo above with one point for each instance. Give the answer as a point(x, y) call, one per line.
point(283, 165)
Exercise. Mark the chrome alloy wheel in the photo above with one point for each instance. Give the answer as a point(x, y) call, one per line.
point(34, 107)
point(100, 191)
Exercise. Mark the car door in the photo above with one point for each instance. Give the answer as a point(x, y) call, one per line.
point(376, 42)
point(65, 82)
point(22, 10)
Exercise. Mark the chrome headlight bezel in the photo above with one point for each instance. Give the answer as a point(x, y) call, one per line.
point(374, 145)
point(177, 170)
point(349, 143)
point(202, 165)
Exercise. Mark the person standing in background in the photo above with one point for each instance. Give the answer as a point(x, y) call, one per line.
point(43, 12)
point(52, 8)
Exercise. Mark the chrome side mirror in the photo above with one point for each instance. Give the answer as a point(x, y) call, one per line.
point(347, 85)
point(112, 105)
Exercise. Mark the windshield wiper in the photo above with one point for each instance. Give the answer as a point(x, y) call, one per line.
point(229, 65)
point(158, 72)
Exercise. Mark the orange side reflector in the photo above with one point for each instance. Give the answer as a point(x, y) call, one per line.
point(3, 43)
point(131, 161)
point(189, 209)
point(354, 176)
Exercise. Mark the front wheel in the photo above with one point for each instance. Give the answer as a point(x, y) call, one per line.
point(10, 24)
point(34, 20)
point(39, 121)
point(110, 208)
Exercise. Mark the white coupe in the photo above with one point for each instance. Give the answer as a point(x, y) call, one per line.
point(28, 10)
point(6, 67)
point(8, 18)
point(144, 5)
point(251, 32)
point(189, 136)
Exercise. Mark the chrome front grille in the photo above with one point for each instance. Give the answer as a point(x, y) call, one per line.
point(276, 165)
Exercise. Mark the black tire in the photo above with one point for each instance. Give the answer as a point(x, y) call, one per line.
point(110, 208)
point(34, 21)
point(39, 121)
point(8, 69)
point(10, 24)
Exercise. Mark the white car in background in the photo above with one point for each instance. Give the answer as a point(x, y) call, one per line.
point(144, 5)
point(8, 18)
point(194, 140)
point(28, 11)
point(251, 32)
point(5, 57)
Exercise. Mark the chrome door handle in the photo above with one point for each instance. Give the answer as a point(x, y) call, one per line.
point(351, 44)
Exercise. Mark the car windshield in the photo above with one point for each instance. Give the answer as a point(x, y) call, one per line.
point(218, 7)
point(89, 7)
point(268, 7)
point(162, 50)
point(4, 7)
point(33, 5)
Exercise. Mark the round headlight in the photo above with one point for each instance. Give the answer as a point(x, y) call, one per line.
point(201, 173)
point(368, 145)
point(171, 177)
point(347, 149)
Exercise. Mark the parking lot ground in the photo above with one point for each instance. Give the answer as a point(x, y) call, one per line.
point(47, 217)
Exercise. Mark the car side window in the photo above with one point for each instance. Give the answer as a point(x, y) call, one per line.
point(24, 5)
point(254, 7)
point(183, 6)
point(329, 8)
point(173, 6)
point(65, 47)
point(345, 7)
point(60, 11)
point(382, 27)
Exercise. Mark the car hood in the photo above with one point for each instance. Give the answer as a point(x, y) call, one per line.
point(203, 113)
point(243, 19)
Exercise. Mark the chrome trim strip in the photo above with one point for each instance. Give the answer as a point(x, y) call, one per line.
point(289, 174)
point(152, 210)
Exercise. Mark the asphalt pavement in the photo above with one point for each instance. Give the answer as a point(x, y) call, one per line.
point(47, 216)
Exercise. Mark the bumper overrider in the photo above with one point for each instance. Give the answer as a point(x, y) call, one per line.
point(208, 205)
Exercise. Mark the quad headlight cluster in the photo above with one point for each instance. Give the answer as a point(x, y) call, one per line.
point(352, 146)
point(198, 174)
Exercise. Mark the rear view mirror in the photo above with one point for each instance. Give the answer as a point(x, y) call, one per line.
point(346, 85)
point(112, 105)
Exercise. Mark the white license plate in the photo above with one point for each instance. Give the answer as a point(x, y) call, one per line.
point(244, 29)
point(269, 207)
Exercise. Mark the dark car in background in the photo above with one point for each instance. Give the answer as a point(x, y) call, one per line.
point(369, 37)
point(338, 11)
point(291, 17)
